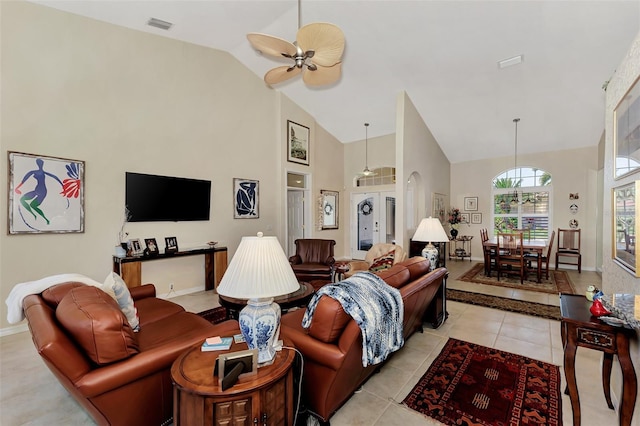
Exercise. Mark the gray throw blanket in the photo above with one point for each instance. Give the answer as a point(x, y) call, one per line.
point(375, 306)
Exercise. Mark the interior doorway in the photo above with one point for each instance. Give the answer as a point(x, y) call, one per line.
point(298, 209)
point(373, 221)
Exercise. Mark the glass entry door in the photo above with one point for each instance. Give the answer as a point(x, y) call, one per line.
point(373, 221)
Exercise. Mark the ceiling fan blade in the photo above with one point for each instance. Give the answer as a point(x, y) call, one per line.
point(271, 45)
point(323, 75)
point(326, 40)
point(280, 74)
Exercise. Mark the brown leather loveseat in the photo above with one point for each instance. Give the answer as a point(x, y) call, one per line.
point(118, 376)
point(332, 345)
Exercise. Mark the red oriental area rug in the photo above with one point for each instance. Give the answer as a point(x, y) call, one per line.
point(469, 384)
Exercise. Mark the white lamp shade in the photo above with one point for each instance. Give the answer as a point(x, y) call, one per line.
point(259, 269)
point(430, 230)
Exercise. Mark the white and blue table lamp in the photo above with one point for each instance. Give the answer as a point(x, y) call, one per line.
point(259, 271)
point(430, 231)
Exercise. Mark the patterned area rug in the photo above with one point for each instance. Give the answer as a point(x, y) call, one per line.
point(558, 281)
point(469, 384)
point(505, 304)
point(214, 315)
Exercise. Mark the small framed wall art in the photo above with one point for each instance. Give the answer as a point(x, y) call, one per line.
point(330, 207)
point(246, 193)
point(46, 194)
point(471, 204)
point(476, 218)
point(464, 217)
point(298, 143)
point(438, 206)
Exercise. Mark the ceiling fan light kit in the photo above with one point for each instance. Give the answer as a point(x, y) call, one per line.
point(316, 53)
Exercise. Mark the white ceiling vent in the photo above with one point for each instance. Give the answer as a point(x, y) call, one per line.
point(511, 61)
point(159, 23)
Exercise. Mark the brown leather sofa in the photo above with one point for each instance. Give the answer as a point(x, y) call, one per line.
point(119, 377)
point(332, 345)
point(313, 259)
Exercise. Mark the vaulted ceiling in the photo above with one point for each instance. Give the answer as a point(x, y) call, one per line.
point(444, 54)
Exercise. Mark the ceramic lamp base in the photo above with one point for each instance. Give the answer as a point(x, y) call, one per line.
point(431, 253)
point(260, 325)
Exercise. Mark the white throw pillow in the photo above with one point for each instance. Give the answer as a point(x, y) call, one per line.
point(115, 286)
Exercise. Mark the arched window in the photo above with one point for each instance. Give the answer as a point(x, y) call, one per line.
point(522, 200)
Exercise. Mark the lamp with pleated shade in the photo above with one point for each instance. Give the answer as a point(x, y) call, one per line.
point(259, 271)
point(430, 231)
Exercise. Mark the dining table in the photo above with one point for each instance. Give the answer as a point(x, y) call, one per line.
point(537, 246)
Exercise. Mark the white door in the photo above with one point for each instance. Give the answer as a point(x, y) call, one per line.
point(373, 221)
point(295, 218)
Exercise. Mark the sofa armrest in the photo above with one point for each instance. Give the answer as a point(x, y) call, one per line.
point(295, 259)
point(143, 291)
point(327, 354)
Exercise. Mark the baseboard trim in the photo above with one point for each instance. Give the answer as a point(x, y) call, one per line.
point(15, 329)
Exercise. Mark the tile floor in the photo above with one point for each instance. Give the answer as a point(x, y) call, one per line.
point(30, 395)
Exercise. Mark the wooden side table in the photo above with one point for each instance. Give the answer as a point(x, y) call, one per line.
point(580, 328)
point(265, 398)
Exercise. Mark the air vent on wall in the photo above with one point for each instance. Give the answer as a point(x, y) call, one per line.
point(159, 23)
point(511, 61)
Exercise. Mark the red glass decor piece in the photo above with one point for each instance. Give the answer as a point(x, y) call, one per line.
point(597, 309)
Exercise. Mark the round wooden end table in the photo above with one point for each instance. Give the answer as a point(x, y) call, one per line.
point(293, 300)
point(263, 398)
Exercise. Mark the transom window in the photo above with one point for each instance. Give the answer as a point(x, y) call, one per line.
point(521, 200)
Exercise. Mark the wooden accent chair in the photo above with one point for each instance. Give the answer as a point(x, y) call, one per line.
point(533, 257)
point(569, 247)
point(510, 256)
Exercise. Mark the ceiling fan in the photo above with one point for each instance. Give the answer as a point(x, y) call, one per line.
point(316, 53)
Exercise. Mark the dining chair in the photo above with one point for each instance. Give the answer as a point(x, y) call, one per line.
point(489, 253)
point(569, 247)
point(526, 233)
point(533, 257)
point(510, 255)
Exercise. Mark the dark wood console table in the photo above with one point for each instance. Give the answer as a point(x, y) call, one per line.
point(215, 263)
point(580, 328)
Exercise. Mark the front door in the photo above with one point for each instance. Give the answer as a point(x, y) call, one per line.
point(373, 221)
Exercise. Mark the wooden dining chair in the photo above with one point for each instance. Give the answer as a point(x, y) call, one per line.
point(533, 257)
point(526, 233)
point(510, 255)
point(569, 247)
point(489, 253)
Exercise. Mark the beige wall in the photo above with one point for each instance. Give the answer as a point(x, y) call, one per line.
point(572, 171)
point(123, 100)
point(417, 151)
point(615, 279)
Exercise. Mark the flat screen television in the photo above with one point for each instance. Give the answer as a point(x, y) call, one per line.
point(152, 198)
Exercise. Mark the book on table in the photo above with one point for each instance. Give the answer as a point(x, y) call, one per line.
point(222, 346)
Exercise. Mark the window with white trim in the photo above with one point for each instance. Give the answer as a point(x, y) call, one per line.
point(522, 200)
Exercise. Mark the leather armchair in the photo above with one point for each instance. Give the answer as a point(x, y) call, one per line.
point(374, 252)
point(313, 259)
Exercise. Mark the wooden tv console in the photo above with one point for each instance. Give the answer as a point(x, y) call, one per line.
point(215, 263)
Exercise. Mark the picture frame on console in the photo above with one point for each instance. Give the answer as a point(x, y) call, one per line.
point(45, 194)
point(246, 198)
point(298, 144)
point(152, 246)
point(171, 245)
point(135, 247)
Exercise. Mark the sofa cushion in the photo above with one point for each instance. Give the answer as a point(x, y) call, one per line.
point(329, 319)
point(417, 266)
point(54, 294)
point(396, 276)
point(383, 262)
point(115, 284)
point(97, 324)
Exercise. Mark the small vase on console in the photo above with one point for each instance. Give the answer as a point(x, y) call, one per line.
point(454, 233)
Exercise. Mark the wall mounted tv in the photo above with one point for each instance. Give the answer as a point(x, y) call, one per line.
point(152, 198)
